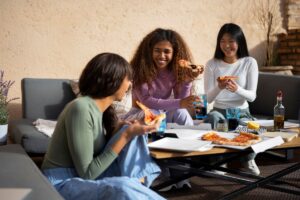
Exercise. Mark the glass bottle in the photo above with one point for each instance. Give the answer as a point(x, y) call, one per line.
point(279, 113)
point(222, 126)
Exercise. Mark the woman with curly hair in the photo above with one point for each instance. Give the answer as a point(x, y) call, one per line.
point(158, 80)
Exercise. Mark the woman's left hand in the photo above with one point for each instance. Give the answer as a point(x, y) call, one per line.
point(231, 85)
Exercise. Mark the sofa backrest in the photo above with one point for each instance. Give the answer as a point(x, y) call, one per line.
point(45, 98)
point(268, 85)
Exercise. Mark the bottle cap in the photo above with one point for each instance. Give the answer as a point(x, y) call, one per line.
point(279, 93)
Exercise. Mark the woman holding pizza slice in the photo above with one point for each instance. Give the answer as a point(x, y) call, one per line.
point(93, 156)
point(230, 79)
point(161, 82)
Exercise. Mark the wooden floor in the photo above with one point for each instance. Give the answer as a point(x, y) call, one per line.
point(211, 188)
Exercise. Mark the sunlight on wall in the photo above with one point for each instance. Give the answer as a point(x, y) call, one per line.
point(55, 39)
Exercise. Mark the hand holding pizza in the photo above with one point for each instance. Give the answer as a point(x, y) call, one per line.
point(151, 118)
point(231, 85)
point(188, 71)
point(136, 128)
point(188, 101)
point(227, 82)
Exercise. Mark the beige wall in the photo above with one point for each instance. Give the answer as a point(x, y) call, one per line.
point(56, 38)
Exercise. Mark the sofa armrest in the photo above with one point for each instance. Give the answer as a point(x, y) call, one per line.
point(19, 171)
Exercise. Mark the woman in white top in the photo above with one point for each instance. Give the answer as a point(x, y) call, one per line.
point(231, 59)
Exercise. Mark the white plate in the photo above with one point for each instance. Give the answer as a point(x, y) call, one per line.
point(178, 144)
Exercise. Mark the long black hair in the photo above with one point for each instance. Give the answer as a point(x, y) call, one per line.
point(237, 34)
point(102, 77)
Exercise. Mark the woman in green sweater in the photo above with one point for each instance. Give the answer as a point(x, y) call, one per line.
point(91, 154)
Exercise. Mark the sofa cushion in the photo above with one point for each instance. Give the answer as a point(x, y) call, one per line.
point(268, 85)
point(19, 171)
point(24, 133)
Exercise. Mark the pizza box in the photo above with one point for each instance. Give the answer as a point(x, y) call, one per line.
point(183, 145)
point(286, 136)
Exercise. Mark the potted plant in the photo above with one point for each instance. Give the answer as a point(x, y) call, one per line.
point(4, 114)
point(268, 17)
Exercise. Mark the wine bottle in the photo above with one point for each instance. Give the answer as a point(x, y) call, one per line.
point(279, 112)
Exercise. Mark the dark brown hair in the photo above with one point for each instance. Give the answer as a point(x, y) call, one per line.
point(102, 77)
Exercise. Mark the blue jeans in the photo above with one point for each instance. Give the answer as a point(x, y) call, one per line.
point(119, 181)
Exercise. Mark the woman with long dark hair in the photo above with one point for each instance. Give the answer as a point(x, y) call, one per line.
point(91, 154)
point(231, 59)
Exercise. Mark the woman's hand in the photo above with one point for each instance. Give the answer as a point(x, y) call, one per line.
point(231, 85)
point(228, 84)
point(188, 101)
point(222, 83)
point(120, 124)
point(188, 74)
point(136, 128)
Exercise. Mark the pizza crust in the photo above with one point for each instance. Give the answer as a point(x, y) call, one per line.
point(223, 78)
point(243, 139)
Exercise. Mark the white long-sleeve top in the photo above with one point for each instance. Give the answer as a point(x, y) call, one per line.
point(247, 71)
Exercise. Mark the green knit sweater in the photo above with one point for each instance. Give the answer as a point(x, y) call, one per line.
point(78, 140)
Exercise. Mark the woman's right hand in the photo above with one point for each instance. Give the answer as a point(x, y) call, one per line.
point(222, 83)
point(136, 128)
point(188, 101)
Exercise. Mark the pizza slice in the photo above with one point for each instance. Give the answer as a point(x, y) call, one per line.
point(243, 139)
point(150, 118)
point(186, 64)
point(223, 78)
point(215, 138)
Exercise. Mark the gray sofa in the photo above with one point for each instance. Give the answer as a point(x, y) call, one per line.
point(18, 172)
point(46, 98)
point(41, 98)
point(268, 85)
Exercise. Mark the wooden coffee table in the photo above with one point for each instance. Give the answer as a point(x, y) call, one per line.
point(186, 163)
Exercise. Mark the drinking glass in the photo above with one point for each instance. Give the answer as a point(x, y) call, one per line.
point(233, 116)
point(162, 128)
point(201, 107)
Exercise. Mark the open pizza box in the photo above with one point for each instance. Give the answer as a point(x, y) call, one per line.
point(265, 144)
point(286, 136)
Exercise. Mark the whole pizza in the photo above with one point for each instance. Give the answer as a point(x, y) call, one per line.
point(243, 139)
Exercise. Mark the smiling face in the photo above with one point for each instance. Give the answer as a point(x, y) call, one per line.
point(229, 47)
point(162, 54)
